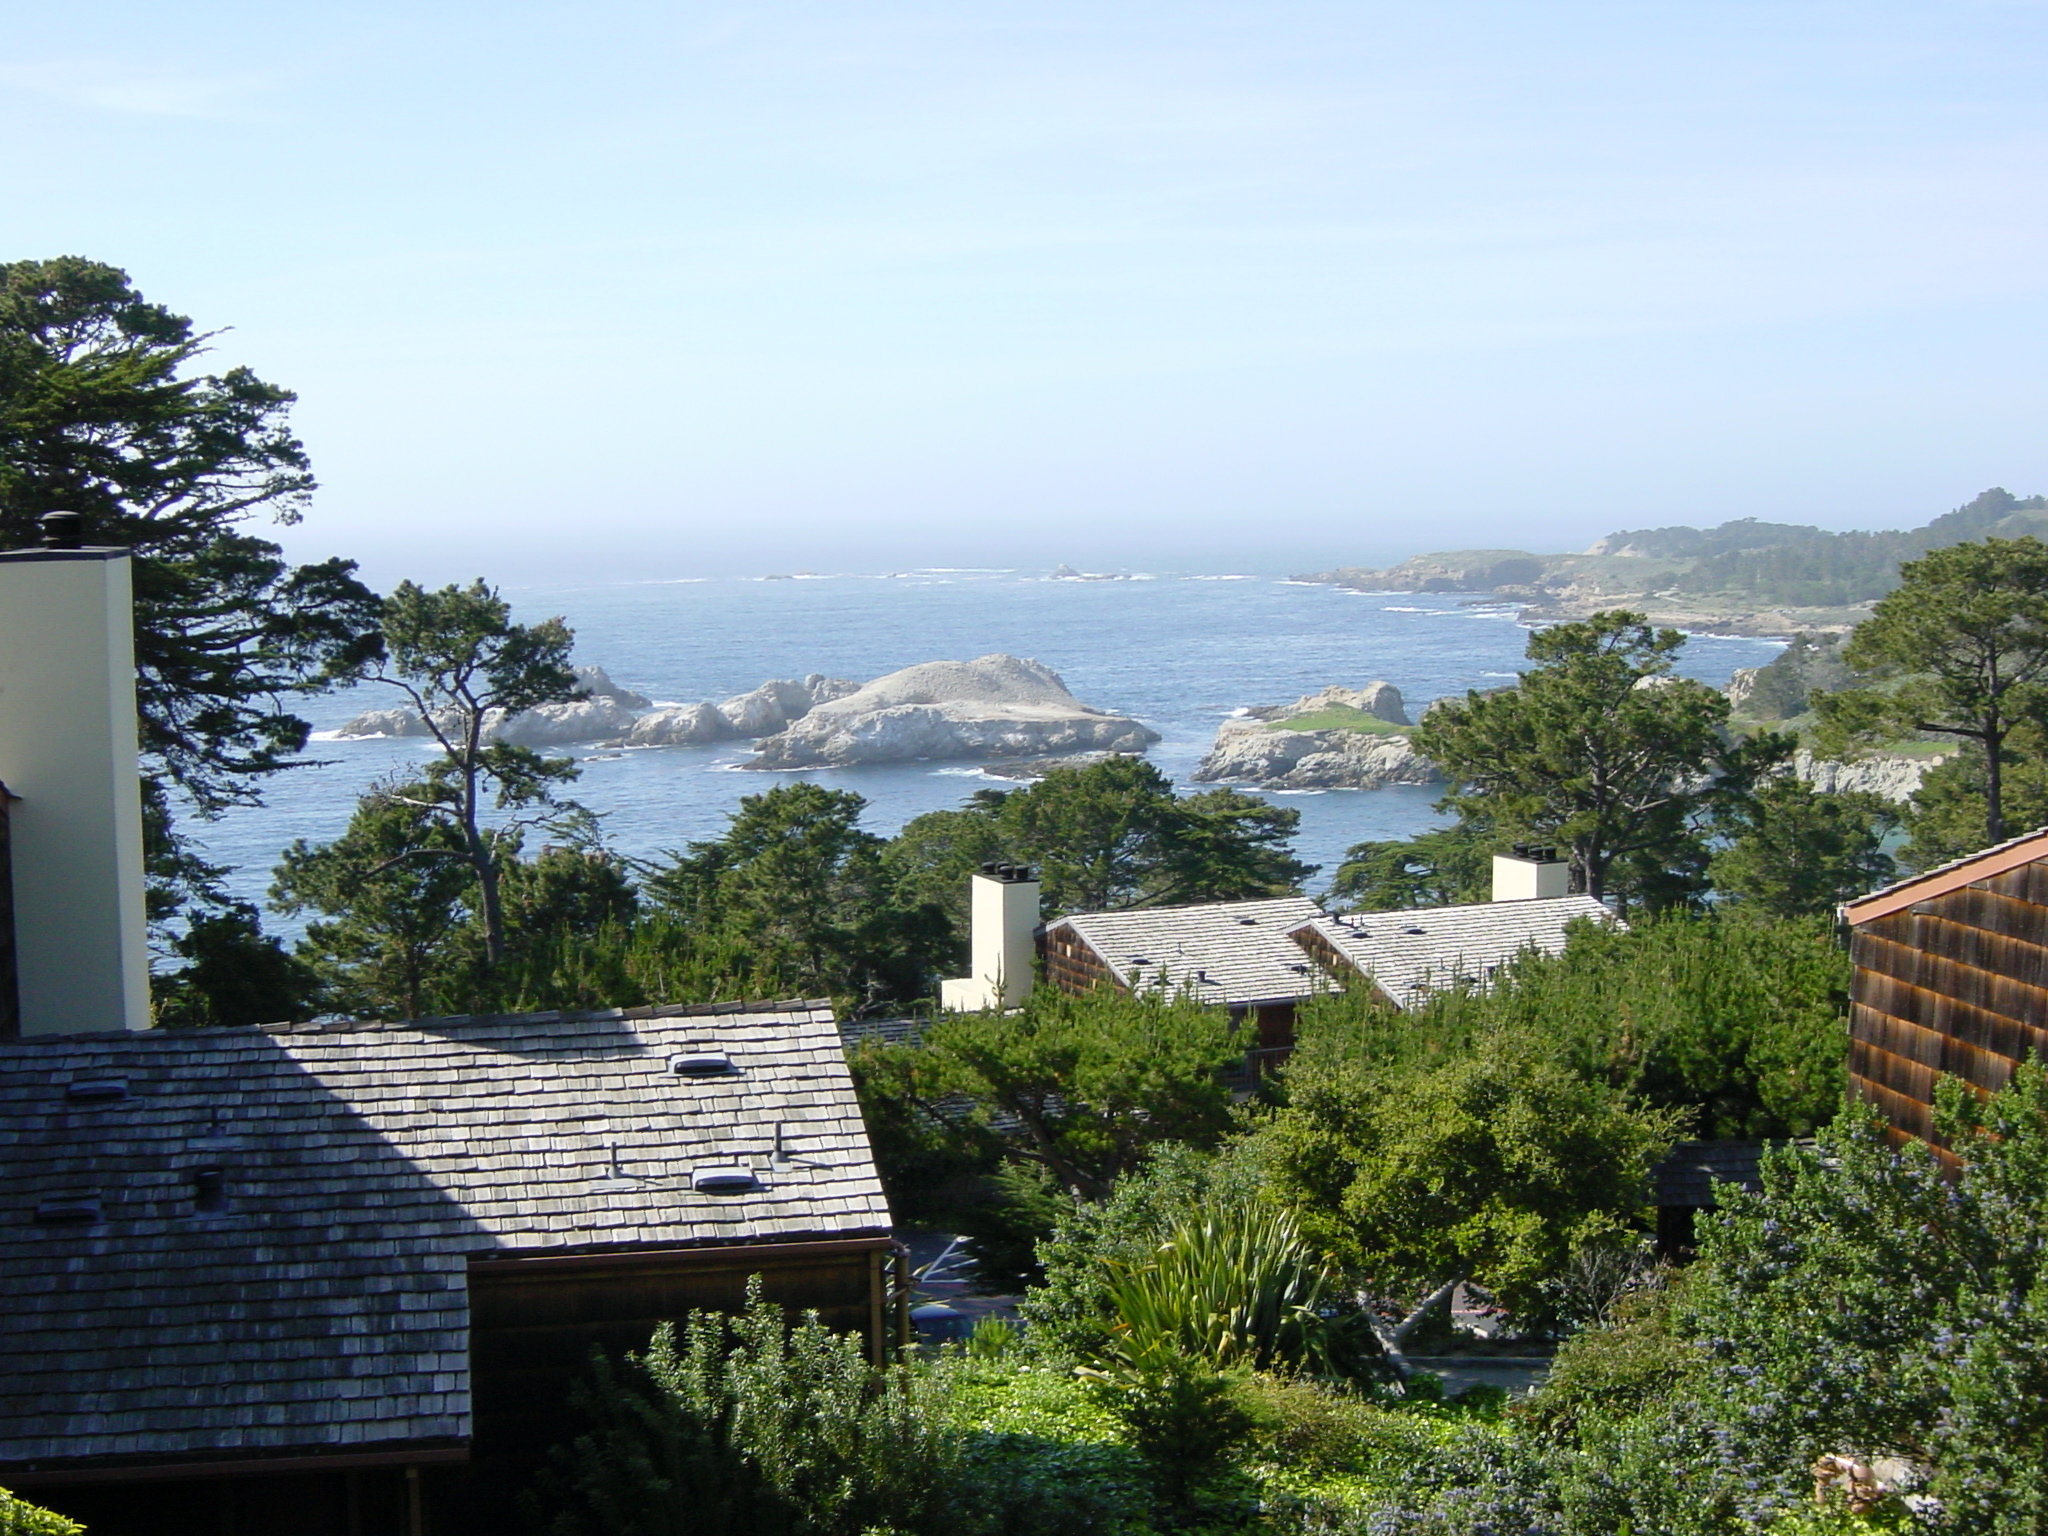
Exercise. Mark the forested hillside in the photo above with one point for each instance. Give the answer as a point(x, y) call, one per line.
point(1751, 563)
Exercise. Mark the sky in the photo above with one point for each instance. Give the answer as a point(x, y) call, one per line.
point(644, 290)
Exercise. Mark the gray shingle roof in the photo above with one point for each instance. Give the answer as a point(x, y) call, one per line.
point(1415, 951)
point(1225, 951)
point(362, 1166)
point(1687, 1175)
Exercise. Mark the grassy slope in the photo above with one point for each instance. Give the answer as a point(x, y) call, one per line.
point(1339, 717)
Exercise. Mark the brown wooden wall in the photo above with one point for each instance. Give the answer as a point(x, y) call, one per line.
point(1957, 983)
point(1070, 964)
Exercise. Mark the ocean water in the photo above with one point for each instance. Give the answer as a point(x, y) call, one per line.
point(1179, 652)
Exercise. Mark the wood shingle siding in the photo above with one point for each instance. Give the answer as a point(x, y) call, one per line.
point(1951, 978)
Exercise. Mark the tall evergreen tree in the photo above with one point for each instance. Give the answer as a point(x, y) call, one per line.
point(105, 412)
point(1959, 650)
point(1600, 749)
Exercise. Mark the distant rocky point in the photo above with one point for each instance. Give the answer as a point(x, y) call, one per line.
point(1742, 577)
point(993, 707)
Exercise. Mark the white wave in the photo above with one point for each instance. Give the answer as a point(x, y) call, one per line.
point(964, 773)
point(1392, 608)
point(1223, 578)
point(335, 736)
point(1500, 674)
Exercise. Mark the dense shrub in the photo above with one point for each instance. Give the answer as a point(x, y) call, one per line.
point(18, 1517)
point(752, 1427)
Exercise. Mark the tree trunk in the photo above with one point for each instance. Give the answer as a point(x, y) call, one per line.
point(1392, 1340)
point(1994, 786)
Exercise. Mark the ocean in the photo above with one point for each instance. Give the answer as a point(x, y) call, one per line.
point(1179, 652)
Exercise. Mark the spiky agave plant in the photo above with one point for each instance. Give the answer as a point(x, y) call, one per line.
point(1235, 1287)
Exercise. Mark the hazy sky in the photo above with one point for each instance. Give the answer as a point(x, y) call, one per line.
point(684, 288)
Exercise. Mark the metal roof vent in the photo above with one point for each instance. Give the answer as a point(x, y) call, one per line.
point(701, 1064)
point(102, 1090)
point(76, 1212)
point(1247, 922)
point(1414, 930)
point(209, 1191)
point(724, 1179)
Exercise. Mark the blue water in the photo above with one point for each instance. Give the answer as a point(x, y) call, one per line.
point(1180, 653)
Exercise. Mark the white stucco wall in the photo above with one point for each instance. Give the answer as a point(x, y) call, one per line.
point(68, 755)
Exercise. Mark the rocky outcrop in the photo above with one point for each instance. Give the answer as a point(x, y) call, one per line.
point(551, 725)
point(1253, 752)
point(1894, 778)
point(1457, 570)
point(776, 704)
point(680, 725)
point(995, 707)
point(388, 722)
point(595, 682)
point(593, 719)
point(1380, 699)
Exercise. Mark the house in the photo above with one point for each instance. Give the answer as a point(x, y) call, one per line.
point(1234, 954)
point(1951, 976)
point(1261, 959)
point(339, 1277)
point(1411, 954)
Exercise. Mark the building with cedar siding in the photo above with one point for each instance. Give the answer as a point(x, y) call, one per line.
point(1951, 977)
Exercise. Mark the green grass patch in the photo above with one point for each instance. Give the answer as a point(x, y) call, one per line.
point(1340, 717)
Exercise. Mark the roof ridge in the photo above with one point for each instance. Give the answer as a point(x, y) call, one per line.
point(434, 1021)
point(1898, 887)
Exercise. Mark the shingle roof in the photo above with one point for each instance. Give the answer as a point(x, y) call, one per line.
point(1225, 951)
point(1412, 952)
point(1952, 876)
point(363, 1165)
point(1687, 1175)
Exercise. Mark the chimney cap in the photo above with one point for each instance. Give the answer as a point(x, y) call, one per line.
point(1009, 874)
point(63, 530)
point(1536, 853)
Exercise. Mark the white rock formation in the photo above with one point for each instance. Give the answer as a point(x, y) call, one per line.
point(772, 706)
point(1895, 778)
point(680, 725)
point(549, 725)
point(996, 706)
point(598, 684)
point(1251, 752)
point(386, 722)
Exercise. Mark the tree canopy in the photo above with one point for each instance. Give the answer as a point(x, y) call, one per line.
point(103, 412)
point(465, 666)
point(1109, 835)
point(1600, 750)
point(796, 898)
point(1960, 650)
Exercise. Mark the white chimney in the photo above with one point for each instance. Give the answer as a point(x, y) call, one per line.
point(1003, 924)
point(68, 759)
point(1529, 874)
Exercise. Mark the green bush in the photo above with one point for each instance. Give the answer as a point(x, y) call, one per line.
point(747, 1426)
point(18, 1517)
